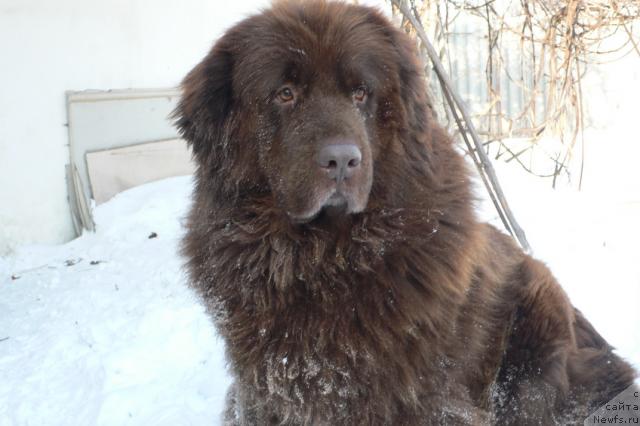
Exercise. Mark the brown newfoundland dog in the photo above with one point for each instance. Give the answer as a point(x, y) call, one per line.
point(333, 240)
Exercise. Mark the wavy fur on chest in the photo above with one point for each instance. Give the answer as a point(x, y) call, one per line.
point(360, 317)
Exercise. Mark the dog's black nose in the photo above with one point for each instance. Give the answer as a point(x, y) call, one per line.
point(339, 160)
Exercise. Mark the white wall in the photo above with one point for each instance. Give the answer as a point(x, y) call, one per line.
point(47, 48)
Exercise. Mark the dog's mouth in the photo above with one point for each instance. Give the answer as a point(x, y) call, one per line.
point(337, 200)
point(335, 204)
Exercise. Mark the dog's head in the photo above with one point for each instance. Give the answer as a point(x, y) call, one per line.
point(302, 102)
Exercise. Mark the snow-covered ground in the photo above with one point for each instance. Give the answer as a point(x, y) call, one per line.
point(120, 342)
point(104, 331)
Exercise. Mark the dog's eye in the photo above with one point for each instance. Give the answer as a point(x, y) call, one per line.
point(285, 95)
point(360, 94)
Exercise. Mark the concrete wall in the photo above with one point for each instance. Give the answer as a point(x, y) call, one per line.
point(47, 48)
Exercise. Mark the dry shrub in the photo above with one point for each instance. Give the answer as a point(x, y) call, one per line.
point(526, 94)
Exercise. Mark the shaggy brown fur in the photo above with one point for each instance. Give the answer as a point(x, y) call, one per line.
point(391, 304)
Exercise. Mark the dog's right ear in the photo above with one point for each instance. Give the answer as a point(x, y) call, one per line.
point(206, 102)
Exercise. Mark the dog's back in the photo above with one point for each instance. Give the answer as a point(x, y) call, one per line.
point(554, 368)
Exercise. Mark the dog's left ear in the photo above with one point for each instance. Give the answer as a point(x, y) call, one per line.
point(202, 112)
point(413, 90)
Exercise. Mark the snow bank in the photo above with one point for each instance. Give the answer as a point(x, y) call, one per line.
point(103, 330)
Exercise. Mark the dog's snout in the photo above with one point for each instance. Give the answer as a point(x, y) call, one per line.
point(339, 160)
